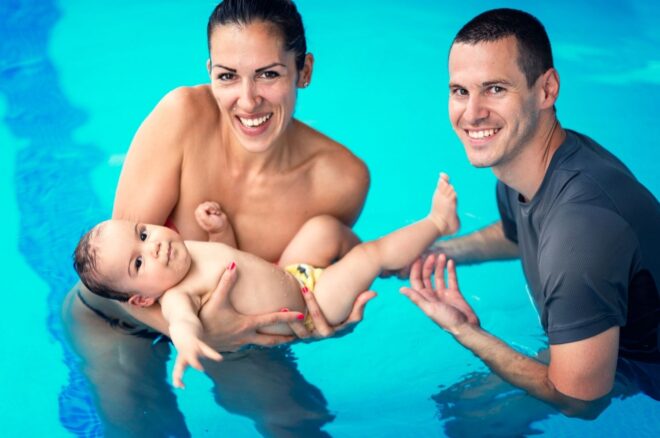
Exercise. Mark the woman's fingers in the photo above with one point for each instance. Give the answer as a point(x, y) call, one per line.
point(321, 326)
point(220, 296)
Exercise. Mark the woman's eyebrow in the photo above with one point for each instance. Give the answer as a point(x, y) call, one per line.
point(233, 70)
point(274, 64)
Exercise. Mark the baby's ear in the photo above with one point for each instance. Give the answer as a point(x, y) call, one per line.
point(139, 300)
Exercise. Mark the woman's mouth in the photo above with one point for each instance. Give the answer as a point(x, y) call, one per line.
point(254, 122)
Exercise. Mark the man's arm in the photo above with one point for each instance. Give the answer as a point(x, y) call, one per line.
point(576, 381)
point(488, 243)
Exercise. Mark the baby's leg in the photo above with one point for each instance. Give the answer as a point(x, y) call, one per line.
point(214, 221)
point(319, 242)
point(341, 283)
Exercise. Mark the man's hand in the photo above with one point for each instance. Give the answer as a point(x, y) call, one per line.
point(227, 330)
point(321, 327)
point(444, 303)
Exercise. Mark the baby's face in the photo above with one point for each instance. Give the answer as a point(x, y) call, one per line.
point(140, 258)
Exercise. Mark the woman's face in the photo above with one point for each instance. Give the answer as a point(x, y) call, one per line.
point(254, 80)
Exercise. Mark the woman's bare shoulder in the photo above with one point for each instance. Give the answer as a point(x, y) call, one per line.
point(189, 103)
point(338, 172)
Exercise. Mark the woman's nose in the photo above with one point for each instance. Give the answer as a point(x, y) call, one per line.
point(249, 98)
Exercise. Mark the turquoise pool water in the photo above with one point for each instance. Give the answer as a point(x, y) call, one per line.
point(76, 79)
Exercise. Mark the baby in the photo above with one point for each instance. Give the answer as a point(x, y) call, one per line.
point(143, 263)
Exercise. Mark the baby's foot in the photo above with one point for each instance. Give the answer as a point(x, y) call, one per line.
point(443, 208)
point(214, 221)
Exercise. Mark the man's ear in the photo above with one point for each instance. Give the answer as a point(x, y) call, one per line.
point(549, 88)
point(140, 301)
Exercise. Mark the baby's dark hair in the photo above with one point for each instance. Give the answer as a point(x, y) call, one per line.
point(84, 262)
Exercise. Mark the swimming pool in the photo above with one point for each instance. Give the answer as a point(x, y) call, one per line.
point(77, 78)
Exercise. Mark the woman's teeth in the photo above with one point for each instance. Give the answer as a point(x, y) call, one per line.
point(252, 123)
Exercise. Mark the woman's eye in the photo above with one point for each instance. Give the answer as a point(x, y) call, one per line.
point(143, 235)
point(225, 76)
point(269, 74)
point(138, 263)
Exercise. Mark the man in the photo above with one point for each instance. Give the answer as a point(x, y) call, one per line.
point(587, 232)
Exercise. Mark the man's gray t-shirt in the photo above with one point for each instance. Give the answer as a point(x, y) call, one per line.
point(590, 247)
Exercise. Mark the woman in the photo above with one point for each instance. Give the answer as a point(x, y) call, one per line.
point(236, 142)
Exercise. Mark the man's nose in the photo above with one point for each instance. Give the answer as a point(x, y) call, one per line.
point(475, 110)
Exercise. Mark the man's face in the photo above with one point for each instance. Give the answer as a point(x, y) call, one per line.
point(491, 108)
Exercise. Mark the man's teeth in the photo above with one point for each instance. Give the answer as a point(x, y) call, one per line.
point(251, 123)
point(482, 134)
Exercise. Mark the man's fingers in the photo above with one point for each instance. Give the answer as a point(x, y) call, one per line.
point(439, 273)
point(416, 274)
point(415, 297)
point(452, 278)
point(220, 296)
point(427, 271)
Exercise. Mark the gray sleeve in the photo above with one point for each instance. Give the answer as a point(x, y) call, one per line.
point(506, 212)
point(586, 257)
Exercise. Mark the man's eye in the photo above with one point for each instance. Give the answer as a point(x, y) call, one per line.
point(496, 89)
point(459, 92)
point(143, 235)
point(138, 263)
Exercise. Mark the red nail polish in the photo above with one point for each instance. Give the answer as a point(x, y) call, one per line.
point(232, 266)
point(284, 309)
point(304, 289)
point(301, 316)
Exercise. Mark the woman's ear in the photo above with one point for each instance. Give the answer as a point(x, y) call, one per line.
point(305, 77)
point(208, 66)
point(140, 301)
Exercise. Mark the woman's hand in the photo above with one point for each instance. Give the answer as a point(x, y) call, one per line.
point(321, 327)
point(444, 303)
point(227, 330)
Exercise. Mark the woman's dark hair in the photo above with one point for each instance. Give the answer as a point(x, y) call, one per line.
point(84, 262)
point(280, 13)
point(534, 51)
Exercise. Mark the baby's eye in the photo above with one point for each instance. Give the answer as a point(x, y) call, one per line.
point(143, 235)
point(138, 263)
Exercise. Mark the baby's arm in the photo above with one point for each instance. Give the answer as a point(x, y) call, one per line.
point(185, 331)
point(214, 221)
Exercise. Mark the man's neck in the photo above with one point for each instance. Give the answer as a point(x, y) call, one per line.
point(526, 171)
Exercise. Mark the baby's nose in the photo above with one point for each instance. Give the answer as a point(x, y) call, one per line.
point(155, 249)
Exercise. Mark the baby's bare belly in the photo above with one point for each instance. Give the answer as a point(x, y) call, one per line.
point(263, 287)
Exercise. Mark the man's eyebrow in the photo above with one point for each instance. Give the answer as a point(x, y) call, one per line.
point(495, 82)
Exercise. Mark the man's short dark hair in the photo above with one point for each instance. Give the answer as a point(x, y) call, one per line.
point(534, 50)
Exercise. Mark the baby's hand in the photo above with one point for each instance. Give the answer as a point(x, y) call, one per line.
point(443, 208)
point(189, 353)
point(210, 217)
